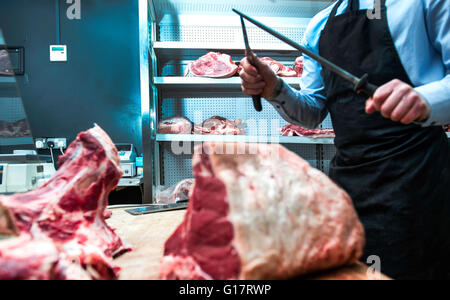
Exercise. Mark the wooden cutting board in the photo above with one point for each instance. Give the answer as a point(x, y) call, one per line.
point(148, 233)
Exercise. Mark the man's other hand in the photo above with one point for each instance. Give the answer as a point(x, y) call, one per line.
point(399, 102)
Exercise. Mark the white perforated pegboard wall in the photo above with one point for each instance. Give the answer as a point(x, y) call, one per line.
point(179, 167)
point(223, 34)
point(281, 8)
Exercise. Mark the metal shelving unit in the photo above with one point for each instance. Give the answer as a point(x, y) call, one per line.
point(204, 84)
point(180, 31)
point(177, 38)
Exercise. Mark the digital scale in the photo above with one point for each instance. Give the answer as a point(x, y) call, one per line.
point(20, 173)
point(127, 155)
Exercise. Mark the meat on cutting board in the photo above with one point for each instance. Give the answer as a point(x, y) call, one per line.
point(175, 125)
point(279, 69)
point(66, 217)
point(213, 65)
point(219, 126)
point(294, 130)
point(261, 213)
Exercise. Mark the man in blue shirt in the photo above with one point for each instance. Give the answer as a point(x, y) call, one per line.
point(393, 156)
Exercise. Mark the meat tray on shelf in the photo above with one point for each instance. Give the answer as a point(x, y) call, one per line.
point(178, 128)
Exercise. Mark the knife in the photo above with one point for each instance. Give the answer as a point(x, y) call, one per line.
point(248, 54)
point(360, 85)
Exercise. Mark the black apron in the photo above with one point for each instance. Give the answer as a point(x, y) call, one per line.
point(397, 175)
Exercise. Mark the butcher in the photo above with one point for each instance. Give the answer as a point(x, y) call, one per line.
point(393, 156)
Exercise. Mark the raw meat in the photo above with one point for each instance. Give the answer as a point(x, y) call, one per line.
point(261, 212)
point(7, 224)
point(67, 215)
point(280, 69)
point(176, 193)
point(213, 65)
point(175, 125)
point(5, 64)
point(293, 130)
point(107, 214)
point(447, 128)
point(298, 66)
point(14, 129)
point(219, 126)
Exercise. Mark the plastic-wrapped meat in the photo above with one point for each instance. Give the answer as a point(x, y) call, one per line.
point(175, 125)
point(298, 66)
point(220, 126)
point(213, 65)
point(293, 130)
point(14, 129)
point(5, 64)
point(176, 193)
point(280, 69)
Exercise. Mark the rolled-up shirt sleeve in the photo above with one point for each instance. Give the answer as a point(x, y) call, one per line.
point(306, 107)
point(437, 93)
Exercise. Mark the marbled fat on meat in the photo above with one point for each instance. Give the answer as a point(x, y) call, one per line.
point(294, 130)
point(175, 125)
point(261, 212)
point(279, 69)
point(213, 65)
point(67, 214)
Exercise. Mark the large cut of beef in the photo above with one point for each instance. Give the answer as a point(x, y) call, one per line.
point(213, 65)
point(219, 126)
point(279, 69)
point(61, 226)
point(175, 125)
point(293, 130)
point(261, 212)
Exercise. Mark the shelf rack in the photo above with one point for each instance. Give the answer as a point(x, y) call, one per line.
point(242, 139)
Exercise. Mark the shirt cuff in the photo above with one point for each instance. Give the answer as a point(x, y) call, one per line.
point(283, 103)
point(437, 96)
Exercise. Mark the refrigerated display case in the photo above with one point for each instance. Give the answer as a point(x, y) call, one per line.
point(180, 31)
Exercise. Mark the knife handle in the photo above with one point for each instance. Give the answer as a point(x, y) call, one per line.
point(256, 98)
point(364, 88)
point(257, 102)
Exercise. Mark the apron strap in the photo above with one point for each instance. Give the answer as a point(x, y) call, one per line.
point(333, 12)
point(353, 5)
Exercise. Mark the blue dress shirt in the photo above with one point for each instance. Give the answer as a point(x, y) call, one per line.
point(421, 32)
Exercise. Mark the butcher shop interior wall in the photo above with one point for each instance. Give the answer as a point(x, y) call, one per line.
point(99, 83)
